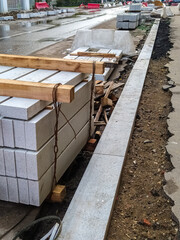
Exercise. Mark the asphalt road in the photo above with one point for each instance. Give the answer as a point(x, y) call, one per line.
point(25, 37)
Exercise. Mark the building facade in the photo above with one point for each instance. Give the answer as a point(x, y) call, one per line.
point(10, 5)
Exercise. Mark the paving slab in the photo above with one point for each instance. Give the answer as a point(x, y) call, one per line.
point(6, 18)
point(172, 187)
point(23, 15)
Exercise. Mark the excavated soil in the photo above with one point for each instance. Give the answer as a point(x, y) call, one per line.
point(142, 211)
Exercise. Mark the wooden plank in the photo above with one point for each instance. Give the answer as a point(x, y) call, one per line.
point(99, 123)
point(94, 54)
point(58, 193)
point(41, 91)
point(51, 63)
point(101, 107)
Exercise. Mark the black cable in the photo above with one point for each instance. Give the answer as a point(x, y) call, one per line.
point(36, 222)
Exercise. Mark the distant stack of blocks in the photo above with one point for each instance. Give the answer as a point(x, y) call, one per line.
point(129, 20)
point(27, 135)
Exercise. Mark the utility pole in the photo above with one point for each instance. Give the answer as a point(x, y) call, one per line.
point(3, 6)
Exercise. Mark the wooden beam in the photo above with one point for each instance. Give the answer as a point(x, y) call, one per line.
point(94, 54)
point(33, 90)
point(51, 63)
point(58, 193)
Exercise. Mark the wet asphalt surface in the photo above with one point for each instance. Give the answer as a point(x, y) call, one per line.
point(24, 37)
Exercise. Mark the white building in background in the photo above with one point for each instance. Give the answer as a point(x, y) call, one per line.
point(10, 5)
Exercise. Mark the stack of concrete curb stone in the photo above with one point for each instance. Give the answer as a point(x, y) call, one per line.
point(41, 14)
point(136, 7)
point(127, 20)
point(45, 13)
point(27, 135)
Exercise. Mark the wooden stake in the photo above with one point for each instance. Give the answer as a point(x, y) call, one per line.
point(105, 116)
point(99, 89)
point(106, 102)
point(101, 107)
point(94, 54)
point(33, 90)
point(58, 194)
point(51, 63)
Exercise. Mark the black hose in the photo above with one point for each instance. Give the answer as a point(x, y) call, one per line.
point(36, 222)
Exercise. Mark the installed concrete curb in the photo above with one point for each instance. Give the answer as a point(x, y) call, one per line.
point(90, 210)
point(172, 187)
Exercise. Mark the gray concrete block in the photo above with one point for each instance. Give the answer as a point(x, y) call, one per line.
point(131, 17)
point(120, 17)
point(40, 129)
point(64, 10)
point(38, 75)
point(13, 192)
point(6, 18)
point(59, 11)
point(38, 190)
point(135, 7)
point(146, 16)
point(133, 25)
point(42, 14)
point(8, 133)
point(3, 98)
point(21, 108)
point(122, 25)
point(16, 73)
point(2, 163)
point(34, 15)
point(51, 13)
point(4, 68)
point(39, 162)
point(147, 9)
point(19, 133)
point(71, 10)
point(63, 77)
point(68, 156)
point(23, 15)
point(93, 200)
point(23, 191)
point(21, 167)
point(4, 188)
point(10, 163)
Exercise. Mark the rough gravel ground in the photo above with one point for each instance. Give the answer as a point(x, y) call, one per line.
point(142, 210)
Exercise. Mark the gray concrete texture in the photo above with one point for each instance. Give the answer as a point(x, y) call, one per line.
point(24, 172)
point(95, 195)
point(172, 187)
point(104, 38)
